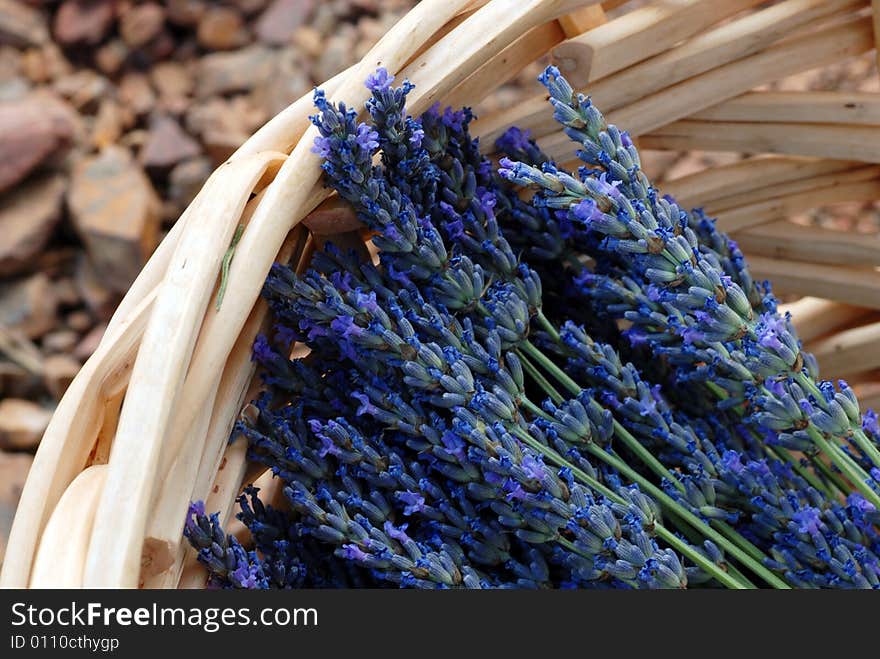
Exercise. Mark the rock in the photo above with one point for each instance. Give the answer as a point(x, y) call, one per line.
point(308, 40)
point(21, 25)
point(18, 382)
point(185, 13)
point(221, 28)
point(136, 94)
point(186, 179)
point(22, 424)
point(84, 89)
point(29, 133)
point(58, 373)
point(140, 24)
point(14, 469)
point(62, 340)
point(115, 211)
point(289, 83)
point(65, 291)
point(338, 51)
point(79, 321)
point(333, 216)
point(89, 343)
point(45, 64)
point(28, 215)
point(28, 305)
point(109, 123)
point(224, 125)
point(277, 24)
point(83, 21)
point(171, 80)
point(249, 7)
point(111, 56)
point(98, 298)
point(167, 145)
point(240, 70)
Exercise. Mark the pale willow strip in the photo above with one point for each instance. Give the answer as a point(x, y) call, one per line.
point(157, 379)
point(811, 244)
point(856, 287)
point(826, 179)
point(70, 528)
point(756, 175)
point(638, 35)
point(718, 47)
point(814, 317)
point(783, 207)
point(851, 351)
point(817, 140)
point(823, 107)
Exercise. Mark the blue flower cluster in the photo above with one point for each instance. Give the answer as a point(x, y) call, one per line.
point(459, 423)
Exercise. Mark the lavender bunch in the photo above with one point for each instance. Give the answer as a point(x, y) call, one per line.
point(409, 441)
point(683, 304)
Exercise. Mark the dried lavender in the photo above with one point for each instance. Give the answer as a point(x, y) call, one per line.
point(409, 442)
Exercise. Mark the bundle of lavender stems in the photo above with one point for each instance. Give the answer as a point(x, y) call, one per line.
point(548, 379)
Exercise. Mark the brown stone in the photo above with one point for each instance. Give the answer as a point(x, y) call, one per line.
point(308, 40)
point(22, 423)
point(21, 25)
point(90, 342)
point(84, 89)
point(28, 305)
point(83, 21)
point(79, 321)
point(249, 7)
point(29, 133)
point(111, 56)
point(289, 82)
point(338, 51)
point(16, 381)
point(221, 28)
point(94, 292)
point(115, 211)
point(58, 373)
point(28, 215)
point(186, 179)
point(136, 94)
point(277, 24)
point(331, 217)
point(14, 469)
point(167, 145)
point(240, 70)
point(109, 123)
point(65, 291)
point(171, 79)
point(139, 24)
point(185, 12)
point(45, 64)
point(224, 125)
point(63, 340)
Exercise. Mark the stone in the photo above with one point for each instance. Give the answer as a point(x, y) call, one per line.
point(28, 216)
point(79, 321)
point(140, 24)
point(22, 424)
point(171, 79)
point(58, 372)
point(221, 28)
point(333, 216)
point(289, 82)
point(89, 342)
point(116, 213)
point(167, 145)
point(236, 71)
point(18, 382)
point(277, 24)
point(14, 469)
point(186, 179)
point(45, 64)
point(85, 89)
point(65, 291)
point(28, 305)
point(249, 7)
point(94, 292)
point(136, 93)
point(83, 21)
point(185, 13)
point(59, 341)
point(308, 40)
point(109, 123)
point(223, 125)
point(338, 51)
point(29, 133)
point(111, 56)
point(21, 25)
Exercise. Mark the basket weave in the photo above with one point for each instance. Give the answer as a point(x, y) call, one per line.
point(143, 429)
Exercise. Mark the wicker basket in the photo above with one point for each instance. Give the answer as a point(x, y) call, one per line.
point(143, 429)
